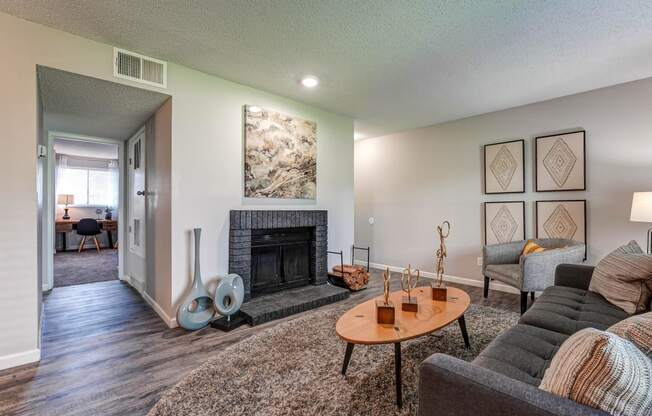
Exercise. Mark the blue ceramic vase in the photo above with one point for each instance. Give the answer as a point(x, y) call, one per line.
point(229, 295)
point(196, 311)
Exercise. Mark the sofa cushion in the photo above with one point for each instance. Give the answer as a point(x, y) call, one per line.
point(522, 353)
point(602, 370)
point(507, 273)
point(637, 329)
point(622, 278)
point(567, 310)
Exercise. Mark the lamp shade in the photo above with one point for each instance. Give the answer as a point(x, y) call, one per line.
point(641, 207)
point(65, 199)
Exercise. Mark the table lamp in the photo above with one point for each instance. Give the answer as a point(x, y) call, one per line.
point(66, 199)
point(642, 212)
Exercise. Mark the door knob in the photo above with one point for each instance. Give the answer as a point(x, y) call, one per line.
point(141, 193)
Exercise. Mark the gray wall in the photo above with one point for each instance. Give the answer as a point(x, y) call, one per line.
point(413, 180)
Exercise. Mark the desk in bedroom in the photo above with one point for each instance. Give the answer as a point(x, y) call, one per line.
point(65, 226)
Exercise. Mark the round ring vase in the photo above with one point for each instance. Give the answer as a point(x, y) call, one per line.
point(229, 295)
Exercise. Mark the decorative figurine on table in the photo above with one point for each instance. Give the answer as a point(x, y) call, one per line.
point(385, 307)
point(438, 288)
point(408, 282)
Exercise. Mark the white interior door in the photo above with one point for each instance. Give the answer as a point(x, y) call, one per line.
point(137, 196)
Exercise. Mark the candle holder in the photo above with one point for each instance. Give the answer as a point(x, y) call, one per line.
point(408, 282)
point(385, 311)
point(439, 291)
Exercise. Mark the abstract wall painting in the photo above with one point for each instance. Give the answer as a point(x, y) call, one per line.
point(504, 167)
point(280, 155)
point(561, 219)
point(504, 222)
point(560, 162)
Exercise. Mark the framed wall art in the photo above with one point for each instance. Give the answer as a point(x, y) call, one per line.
point(504, 167)
point(560, 162)
point(561, 219)
point(504, 222)
point(280, 155)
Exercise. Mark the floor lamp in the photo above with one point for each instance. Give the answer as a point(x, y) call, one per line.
point(642, 212)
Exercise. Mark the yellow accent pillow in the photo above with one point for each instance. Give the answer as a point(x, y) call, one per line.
point(531, 247)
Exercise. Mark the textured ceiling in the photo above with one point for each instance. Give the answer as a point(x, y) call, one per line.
point(391, 64)
point(85, 149)
point(83, 105)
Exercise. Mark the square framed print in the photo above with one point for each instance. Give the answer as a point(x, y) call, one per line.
point(561, 219)
point(504, 222)
point(504, 167)
point(560, 162)
point(280, 155)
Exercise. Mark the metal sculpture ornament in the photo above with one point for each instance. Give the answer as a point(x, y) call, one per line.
point(409, 282)
point(438, 289)
point(444, 231)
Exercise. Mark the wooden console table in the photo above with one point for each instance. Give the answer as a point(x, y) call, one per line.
point(65, 226)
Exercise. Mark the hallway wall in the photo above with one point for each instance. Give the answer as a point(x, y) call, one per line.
point(206, 169)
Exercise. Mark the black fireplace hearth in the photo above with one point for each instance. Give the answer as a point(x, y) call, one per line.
point(281, 256)
point(278, 250)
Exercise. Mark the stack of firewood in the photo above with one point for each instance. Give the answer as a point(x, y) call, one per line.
point(354, 277)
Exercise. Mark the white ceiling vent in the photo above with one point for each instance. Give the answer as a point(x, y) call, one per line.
point(139, 68)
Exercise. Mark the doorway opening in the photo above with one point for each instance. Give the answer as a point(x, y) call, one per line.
point(94, 213)
point(87, 194)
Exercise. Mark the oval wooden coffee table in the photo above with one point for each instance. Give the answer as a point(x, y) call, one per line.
point(358, 325)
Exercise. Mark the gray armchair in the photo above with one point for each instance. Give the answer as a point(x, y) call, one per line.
point(535, 272)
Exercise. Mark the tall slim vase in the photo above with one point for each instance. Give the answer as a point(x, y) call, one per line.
point(196, 311)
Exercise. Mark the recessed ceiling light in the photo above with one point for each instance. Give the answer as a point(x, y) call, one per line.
point(310, 81)
point(254, 109)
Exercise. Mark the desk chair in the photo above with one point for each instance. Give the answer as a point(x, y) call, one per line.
point(88, 227)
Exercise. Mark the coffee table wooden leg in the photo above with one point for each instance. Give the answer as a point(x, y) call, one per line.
point(465, 335)
point(397, 365)
point(347, 357)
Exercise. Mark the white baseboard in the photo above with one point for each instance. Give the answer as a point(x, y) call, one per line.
point(21, 358)
point(170, 322)
point(448, 278)
point(140, 287)
point(135, 283)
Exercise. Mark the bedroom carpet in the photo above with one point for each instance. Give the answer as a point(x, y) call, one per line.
point(294, 369)
point(89, 266)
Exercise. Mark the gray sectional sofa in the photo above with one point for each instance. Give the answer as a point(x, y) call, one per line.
point(503, 379)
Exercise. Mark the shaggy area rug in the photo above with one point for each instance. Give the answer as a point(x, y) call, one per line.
point(294, 369)
point(89, 266)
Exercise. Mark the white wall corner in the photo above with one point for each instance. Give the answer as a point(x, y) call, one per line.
point(135, 283)
point(448, 278)
point(171, 322)
point(21, 358)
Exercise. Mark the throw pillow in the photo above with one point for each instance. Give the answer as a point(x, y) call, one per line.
point(623, 278)
point(601, 370)
point(637, 329)
point(531, 247)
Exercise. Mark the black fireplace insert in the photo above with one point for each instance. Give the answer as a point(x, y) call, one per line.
point(281, 259)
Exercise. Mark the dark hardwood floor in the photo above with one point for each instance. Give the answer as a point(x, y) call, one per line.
point(106, 352)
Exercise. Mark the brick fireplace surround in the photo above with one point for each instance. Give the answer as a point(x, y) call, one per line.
point(242, 222)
